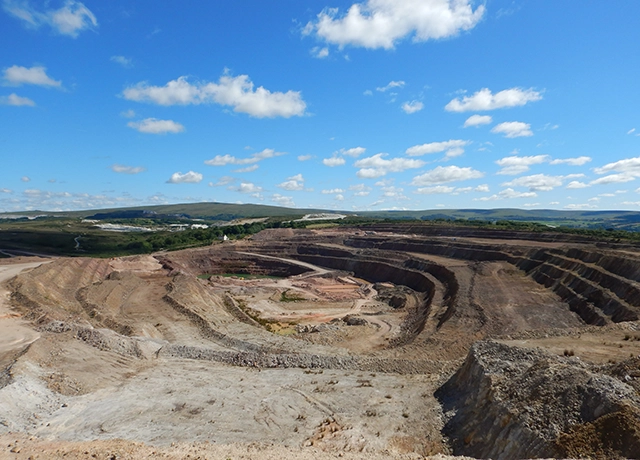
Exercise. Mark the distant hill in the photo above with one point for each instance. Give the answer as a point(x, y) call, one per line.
point(621, 220)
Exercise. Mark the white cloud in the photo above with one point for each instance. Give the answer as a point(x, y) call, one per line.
point(293, 183)
point(514, 165)
point(513, 129)
point(614, 179)
point(352, 152)
point(237, 92)
point(477, 120)
point(320, 53)
point(485, 100)
point(223, 160)
point(377, 166)
point(412, 107)
point(578, 161)
point(155, 126)
point(280, 200)
point(186, 178)
point(332, 191)
point(360, 190)
point(122, 169)
point(71, 19)
point(453, 145)
point(396, 193)
point(441, 175)
point(248, 187)
point(507, 194)
point(536, 182)
point(304, 157)
point(484, 188)
point(339, 197)
point(333, 161)
point(128, 113)
point(391, 85)
point(631, 131)
point(251, 168)
point(123, 61)
point(224, 180)
point(5, 190)
point(25, 179)
point(15, 100)
point(435, 190)
point(574, 184)
point(382, 23)
point(627, 166)
point(37, 75)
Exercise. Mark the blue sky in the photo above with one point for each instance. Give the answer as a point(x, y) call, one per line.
point(383, 104)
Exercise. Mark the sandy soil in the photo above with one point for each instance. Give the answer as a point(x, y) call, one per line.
point(86, 371)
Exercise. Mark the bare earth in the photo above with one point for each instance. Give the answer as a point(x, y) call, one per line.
point(332, 356)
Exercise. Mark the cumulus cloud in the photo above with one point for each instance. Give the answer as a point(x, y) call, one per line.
point(293, 183)
point(224, 160)
point(247, 169)
point(396, 193)
point(580, 206)
point(506, 194)
point(485, 100)
point(477, 120)
point(281, 200)
point(237, 92)
point(248, 187)
point(304, 157)
point(15, 100)
point(453, 147)
point(513, 129)
point(444, 174)
point(332, 191)
point(360, 190)
point(69, 20)
point(122, 169)
point(536, 182)
point(25, 179)
point(186, 178)
point(352, 152)
point(155, 126)
point(382, 23)
point(514, 165)
point(482, 188)
point(123, 61)
point(37, 75)
point(436, 189)
point(378, 166)
point(627, 166)
point(412, 107)
point(333, 161)
point(5, 190)
point(391, 85)
point(614, 179)
point(578, 161)
point(574, 184)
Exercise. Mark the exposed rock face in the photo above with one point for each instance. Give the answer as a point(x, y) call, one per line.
point(509, 403)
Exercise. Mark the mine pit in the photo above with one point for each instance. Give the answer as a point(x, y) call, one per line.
point(397, 340)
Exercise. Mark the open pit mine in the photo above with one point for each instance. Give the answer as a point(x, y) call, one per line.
point(401, 341)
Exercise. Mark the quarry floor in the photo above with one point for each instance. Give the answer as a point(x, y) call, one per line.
point(72, 398)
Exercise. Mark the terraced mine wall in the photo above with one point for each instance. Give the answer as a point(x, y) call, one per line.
point(509, 403)
point(231, 262)
point(601, 287)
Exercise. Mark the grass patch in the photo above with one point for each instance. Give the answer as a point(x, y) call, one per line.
point(288, 296)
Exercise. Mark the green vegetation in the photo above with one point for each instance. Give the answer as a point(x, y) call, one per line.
point(67, 234)
point(287, 296)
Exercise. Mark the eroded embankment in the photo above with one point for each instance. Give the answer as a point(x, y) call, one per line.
point(513, 403)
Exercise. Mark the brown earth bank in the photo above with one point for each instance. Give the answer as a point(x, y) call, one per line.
point(396, 341)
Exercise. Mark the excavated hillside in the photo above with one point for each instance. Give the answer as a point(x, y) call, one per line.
point(397, 341)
